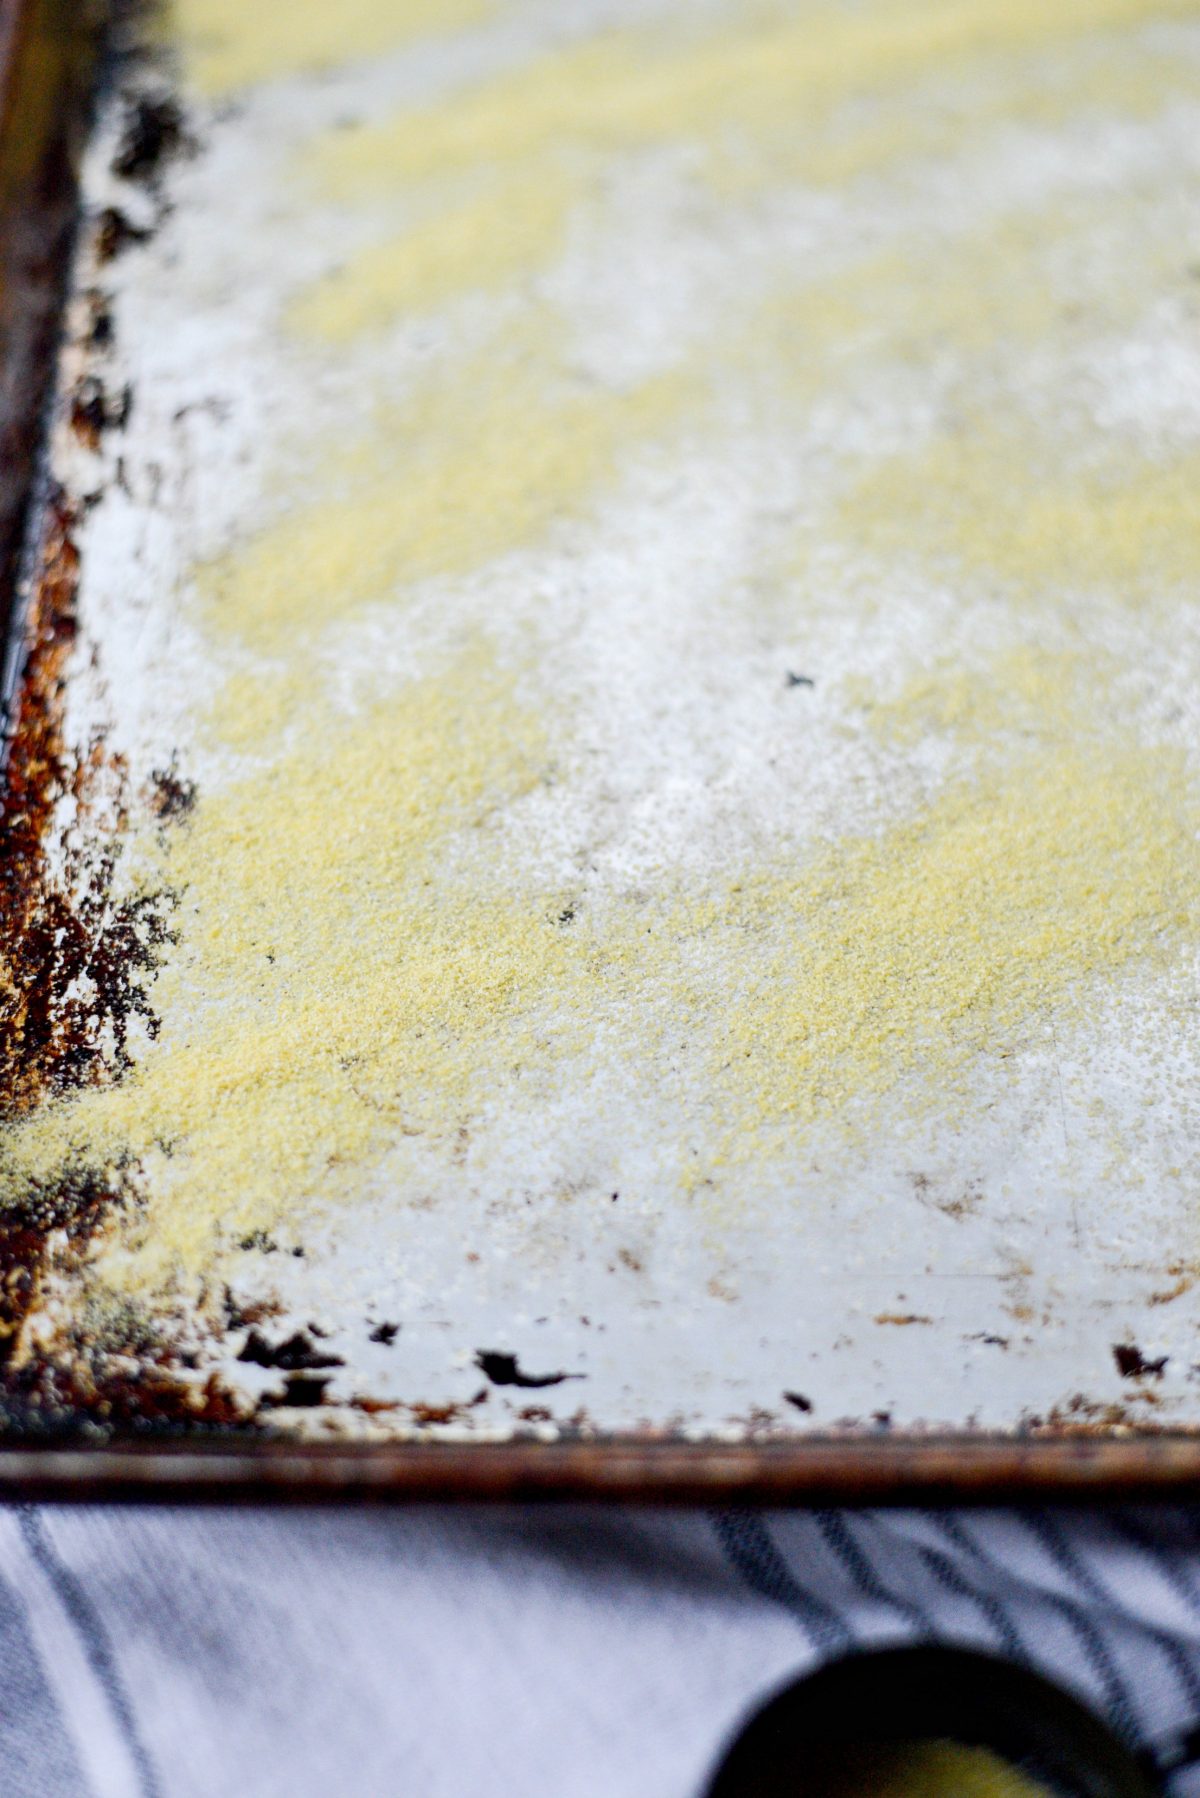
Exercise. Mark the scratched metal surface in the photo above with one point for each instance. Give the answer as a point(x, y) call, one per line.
point(615, 1235)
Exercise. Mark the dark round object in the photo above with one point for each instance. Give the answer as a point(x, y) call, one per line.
point(898, 1695)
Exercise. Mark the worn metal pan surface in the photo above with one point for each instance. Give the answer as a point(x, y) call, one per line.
point(601, 876)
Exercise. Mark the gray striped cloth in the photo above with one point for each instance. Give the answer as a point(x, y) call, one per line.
point(588, 1654)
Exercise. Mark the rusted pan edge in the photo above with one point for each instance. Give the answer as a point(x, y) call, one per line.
point(48, 54)
point(939, 1470)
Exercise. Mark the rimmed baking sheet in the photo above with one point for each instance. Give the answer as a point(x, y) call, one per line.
point(602, 812)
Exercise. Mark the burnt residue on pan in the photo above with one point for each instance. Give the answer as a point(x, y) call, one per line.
point(115, 232)
point(502, 1370)
point(77, 961)
point(1132, 1364)
point(174, 795)
point(50, 54)
point(62, 933)
point(94, 410)
point(154, 132)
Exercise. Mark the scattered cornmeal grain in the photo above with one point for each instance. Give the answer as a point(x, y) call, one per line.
point(230, 45)
point(480, 462)
point(641, 366)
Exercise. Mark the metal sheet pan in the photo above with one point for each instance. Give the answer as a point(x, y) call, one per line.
point(702, 486)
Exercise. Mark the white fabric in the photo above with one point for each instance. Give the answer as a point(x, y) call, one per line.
point(579, 1653)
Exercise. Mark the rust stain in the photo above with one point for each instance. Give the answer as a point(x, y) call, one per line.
point(902, 1317)
point(36, 777)
point(94, 410)
point(1081, 1417)
point(1184, 1278)
point(115, 232)
point(75, 966)
point(434, 1414)
point(62, 936)
point(239, 1316)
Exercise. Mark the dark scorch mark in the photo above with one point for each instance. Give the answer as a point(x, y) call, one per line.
point(296, 1353)
point(1133, 1365)
point(502, 1370)
point(154, 132)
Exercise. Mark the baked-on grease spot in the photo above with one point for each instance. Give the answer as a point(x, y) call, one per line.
point(799, 1401)
point(94, 410)
point(502, 1370)
point(174, 796)
point(260, 1240)
point(385, 1333)
point(99, 335)
point(300, 1390)
point(960, 1204)
point(297, 1352)
point(426, 1414)
point(115, 231)
point(239, 1315)
point(1133, 1365)
point(154, 132)
point(799, 680)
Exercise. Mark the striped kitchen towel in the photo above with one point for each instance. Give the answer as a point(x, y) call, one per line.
point(583, 1653)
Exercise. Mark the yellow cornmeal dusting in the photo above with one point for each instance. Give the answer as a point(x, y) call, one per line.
point(1019, 506)
point(942, 939)
point(480, 242)
point(229, 44)
point(749, 76)
point(356, 966)
point(530, 145)
point(483, 459)
point(338, 982)
point(920, 1770)
point(1005, 284)
point(932, 116)
point(374, 964)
